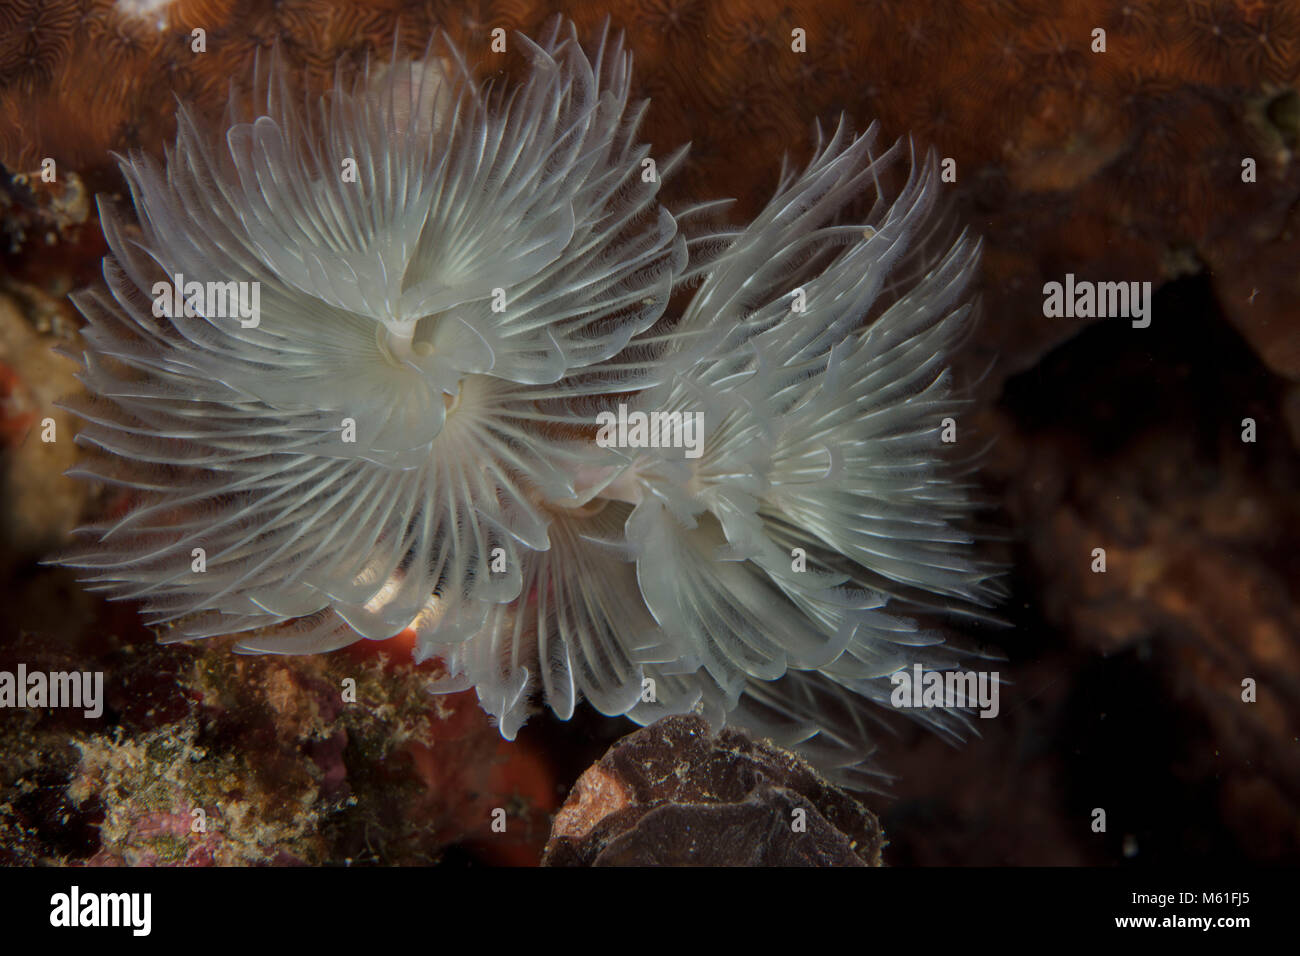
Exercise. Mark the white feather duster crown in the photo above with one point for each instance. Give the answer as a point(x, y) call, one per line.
point(399, 359)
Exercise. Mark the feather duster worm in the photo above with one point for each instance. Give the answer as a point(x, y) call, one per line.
point(453, 284)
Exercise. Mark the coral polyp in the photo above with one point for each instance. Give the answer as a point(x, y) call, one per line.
point(444, 295)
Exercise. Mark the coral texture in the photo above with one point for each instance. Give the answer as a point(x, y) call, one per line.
point(1125, 162)
point(207, 758)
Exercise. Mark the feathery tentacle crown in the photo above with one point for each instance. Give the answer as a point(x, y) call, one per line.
point(456, 293)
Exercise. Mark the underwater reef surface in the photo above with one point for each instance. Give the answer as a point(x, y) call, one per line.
point(1123, 165)
point(1120, 165)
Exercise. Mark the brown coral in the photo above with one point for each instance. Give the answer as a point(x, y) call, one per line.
point(35, 38)
point(1151, 128)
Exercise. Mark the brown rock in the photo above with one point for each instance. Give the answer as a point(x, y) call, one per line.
point(676, 794)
